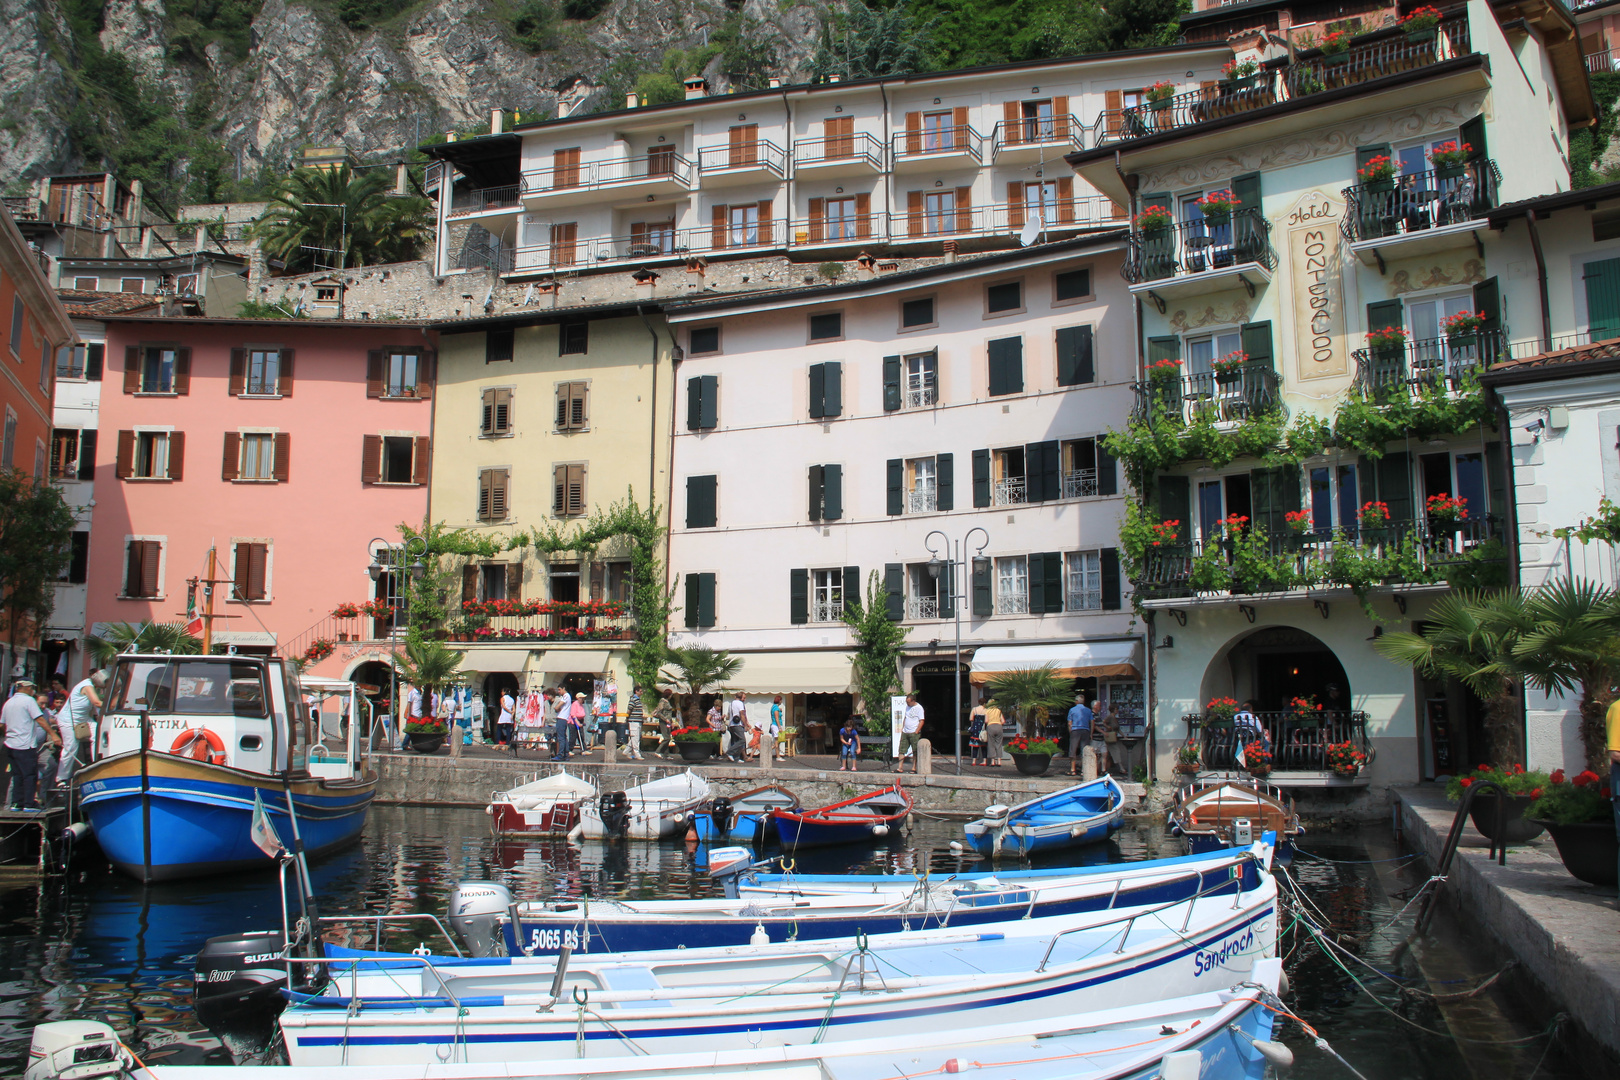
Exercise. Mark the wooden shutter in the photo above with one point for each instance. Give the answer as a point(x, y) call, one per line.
point(1163, 348)
point(257, 559)
point(238, 385)
point(247, 573)
point(1602, 280)
point(469, 581)
point(913, 132)
point(1046, 583)
point(1065, 199)
point(1382, 313)
point(1472, 132)
point(765, 221)
point(565, 392)
point(1273, 493)
point(701, 502)
point(983, 604)
point(231, 466)
point(818, 217)
point(177, 455)
point(486, 483)
point(1012, 130)
point(94, 356)
point(1256, 338)
point(944, 482)
point(744, 145)
point(132, 568)
point(1015, 204)
point(863, 216)
point(1488, 302)
point(896, 486)
point(371, 459)
point(894, 591)
point(717, 226)
point(151, 554)
point(487, 416)
point(798, 596)
point(709, 413)
point(283, 464)
point(914, 213)
point(421, 459)
point(690, 609)
point(502, 412)
point(563, 239)
point(284, 372)
point(576, 490)
point(1041, 462)
point(1111, 591)
point(126, 455)
point(565, 167)
point(1074, 358)
point(818, 389)
point(182, 370)
point(514, 578)
point(959, 123)
point(1113, 106)
point(964, 210)
point(1006, 357)
point(87, 454)
point(1060, 116)
point(132, 369)
point(818, 490)
point(374, 373)
point(559, 490)
point(427, 371)
point(981, 478)
point(1107, 471)
point(705, 614)
point(832, 399)
point(891, 383)
point(1175, 502)
point(638, 233)
point(832, 495)
point(840, 134)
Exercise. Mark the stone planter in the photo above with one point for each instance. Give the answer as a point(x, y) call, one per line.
point(1589, 849)
point(1031, 764)
point(697, 752)
point(1516, 829)
point(426, 744)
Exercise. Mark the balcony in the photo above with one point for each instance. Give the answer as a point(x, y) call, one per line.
point(922, 607)
point(951, 146)
point(1188, 257)
point(854, 230)
point(1419, 213)
point(1601, 63)
point(23, 207)
point(1410, 553)
point(656, 174)
point(921, 502)
point(741, 163)
point(652, 246)
point(827, 611)
point(1209, 396)
point(1433, 366)
point(1080, 485)
point(1034, 139)
point(466, 202)
point(997, 223)
point(1298, 744)
point(1010, 491)
point(842, 155)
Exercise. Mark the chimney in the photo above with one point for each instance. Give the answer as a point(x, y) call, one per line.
point(497, 121)
point(449, 136)
point(550, 292)
point(631, 101)
point(950, 251)
point(865, 266)
point(135, 213)
point(697, 86)
point(646, 284)
point(887, 268)
point(400, 179)
point(775, 82)
point(835, 78)
point(146, 241)
point(201, 239)
point(695, 270)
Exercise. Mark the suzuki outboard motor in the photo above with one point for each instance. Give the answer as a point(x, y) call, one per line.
point(614, 806)
point(720, 815)
point(475, 912)
point(239, 979)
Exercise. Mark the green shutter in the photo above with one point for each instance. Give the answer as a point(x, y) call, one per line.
point(693, 596)
point(705, 600)
point(832, 498)
point(1472, 132)
point(1246, 188)
point(1382, 313)
point(1052, 572)
point(711, 402)
point(1257, 343)
point(1496, 479)
point(1248, 230)
point(1163, 348)
point(1488, 302)
point(945, 481)
point(894, 594)
point(983, 605)
point(1157, 198)
point(701, 501)
point(818, 490)
point(1365, 154)
point(1107, 471)
point(947, 590)
point(1111, 598)
point(1175, 502)
point(1006, 366)
point(832, 400)
point(818, 389)
point(1037, 583)
point(891, 383)
point(981, 478)
point(1367, 481)
point(1603, 298)
point(1041, 479)
point(1159, 249)
point(1075, 366)
point(897, 479)
point(1395, 486)
point(1275, 493)
point(798, 596)
point(694, 403)
point(852, 587)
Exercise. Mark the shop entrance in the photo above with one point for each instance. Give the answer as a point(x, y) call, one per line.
point(931, 682)
point(495, 684)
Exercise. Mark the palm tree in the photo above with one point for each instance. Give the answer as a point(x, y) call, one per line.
point(1576, 641)
point(336, 218)
point(430, 665)
point(143, 637)
point(1472, 637)
point(1023, 690)
point(696, 669)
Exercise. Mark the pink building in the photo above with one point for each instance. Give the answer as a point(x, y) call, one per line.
point(285, 445)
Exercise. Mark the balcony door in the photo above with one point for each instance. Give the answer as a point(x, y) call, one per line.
point(1432, 353)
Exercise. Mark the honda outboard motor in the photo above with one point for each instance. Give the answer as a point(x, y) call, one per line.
point(614, 806)
point(475, 912)
point(239, 979)
point(720, 814)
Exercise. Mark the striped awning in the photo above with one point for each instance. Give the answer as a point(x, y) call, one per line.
point(1069, 659)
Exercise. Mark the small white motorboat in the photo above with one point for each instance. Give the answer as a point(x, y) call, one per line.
point(545, 806)
point(656, 810)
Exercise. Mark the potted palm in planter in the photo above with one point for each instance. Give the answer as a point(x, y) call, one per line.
point(1022, 692)
point(1032, 756)
point(428, 666)
point(1482, 811)
point(696, 744)
point(1579, 815)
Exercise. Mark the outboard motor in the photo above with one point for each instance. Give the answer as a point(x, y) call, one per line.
point(239, 979)
point(727, 864)
point(76, 1050)
point(475, 911)
point(614, 807)
point(720, 816)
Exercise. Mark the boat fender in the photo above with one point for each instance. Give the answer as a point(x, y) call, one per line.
point(203, 744)
point(1181, 1065)
point(577, 832)
point(490, 809)
point(1282, 984)
point(76, 831)
point(956, 845)
point(956, 1065)
point(759, 936)
point(880, 830)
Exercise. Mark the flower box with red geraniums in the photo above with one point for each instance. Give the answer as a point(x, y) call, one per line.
point(1233, 525)
point(1231, 364)
point(1305, 708)
point(1023, 744)
point(1449, 158)
point(1570, 802)
point(346, 611)
point(1378, 169)
point(1236, 70)
point(1421, 21)
point(1217, 206)
point(1510, 778)
point(1345, 759)
point(1221, 708)
point(1167, 531)
point(1334, 43)
point(1445, 508)
point(1160, 93)
point(1390, 337)
point(1257, 759)
point(1374, 515)
point(1299, 521)
point(318, 650)
point(1164, 370)
point(1187, 756)
point(1153, 219)
point(1463, 324)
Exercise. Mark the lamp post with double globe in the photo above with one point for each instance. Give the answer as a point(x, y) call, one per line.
point(951, 565)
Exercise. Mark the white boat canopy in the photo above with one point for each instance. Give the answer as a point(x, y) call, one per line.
point(1070, 659)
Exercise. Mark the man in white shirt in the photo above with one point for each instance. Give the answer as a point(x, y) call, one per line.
point(413, 711)
point(22, 717)
point(911, 726)
point(81, 707)
point(737, 726)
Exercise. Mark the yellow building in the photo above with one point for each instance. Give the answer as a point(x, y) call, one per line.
point(544, 422)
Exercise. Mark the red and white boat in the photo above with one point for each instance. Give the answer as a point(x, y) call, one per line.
point(545, 806)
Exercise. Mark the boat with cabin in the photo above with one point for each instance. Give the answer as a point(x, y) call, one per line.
point(1223, 813)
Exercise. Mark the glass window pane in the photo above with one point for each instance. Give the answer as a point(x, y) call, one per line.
point(1321, 500)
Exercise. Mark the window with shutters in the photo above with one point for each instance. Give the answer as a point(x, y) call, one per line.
point(702, 501)
point(1008, 478)
point(143, 568)
point(926, 586)
point(1202, 350)
point(258, 460)
point(250, 570)
point(496, 416)
point(87, 284)
point(493, 488)
point(1036, 121)
point(401, 372)
point(702, 402)
point(15, 340)
point(568, 490)
point(648, 238)
point(492, 581)
point(1005, 357)
point(498, 345)
point(151, 455)
point(1082, 581)
point(939, 213)
point(76, 572)
point(938, 131)
point(157, 369)
point(917, 314)
point(1431, 353)
point(1012, 585)
point(840, 219)
point(70, 361)
point(1004, 298)
point(132, 285)
point(573, 338)
point(827, 326)
point(1069, 286)
point(398, 460)
point(619, 583)
point(1040, 198)
point(742, 225)
point(65, 454)
point(573, 406)
point(1081, 459)
point(703, 340)
point(922, 485)
point(1602, 282)
point(262, 371)
point(8, 441)
point(921, 373)
point(827, 595)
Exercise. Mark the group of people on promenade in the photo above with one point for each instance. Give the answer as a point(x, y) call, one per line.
point(1084, 727)
point(46, 732)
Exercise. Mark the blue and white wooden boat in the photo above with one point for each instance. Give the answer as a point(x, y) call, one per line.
point(408, 1011)
point(1216, 1034)
point(744, 818)
point(872, 816)
point(1084, 814)
point(1222, 813)
point(221, 735)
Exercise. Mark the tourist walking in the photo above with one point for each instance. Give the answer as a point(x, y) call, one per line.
point(560, 738)
point(663, 715)
point(911, 725)
point(976, 735)
point(1080, 719)
point(23, 718)
point(737, 726)
point(993, 726)
point(504, 721)
point(577, 712)
point(632, 718)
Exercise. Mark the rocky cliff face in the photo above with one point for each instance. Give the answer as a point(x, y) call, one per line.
point(307, 78)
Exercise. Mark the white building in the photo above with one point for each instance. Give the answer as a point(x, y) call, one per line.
point(823, 434)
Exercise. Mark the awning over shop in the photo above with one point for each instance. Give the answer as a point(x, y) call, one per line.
point(793, 673)
point(1070, 659)
point(493, 660)
point(575, 661)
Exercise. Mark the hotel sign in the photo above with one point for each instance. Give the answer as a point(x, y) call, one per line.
point(1315, 265)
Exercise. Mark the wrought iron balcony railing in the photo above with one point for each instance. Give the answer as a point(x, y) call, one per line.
point(758, 154)
point(922, 607)
point(856, 147)
point(1009, 602)
point(1221, 397)
point(1298, 744)
point(921, 502)
point(1416, 202)
point(669, 168)
point(827, 611)
point(1435, 364)
point(1187, 248)
point(479, 200)
point(1010, 492)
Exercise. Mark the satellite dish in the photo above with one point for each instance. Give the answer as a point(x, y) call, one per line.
point(1032, 230)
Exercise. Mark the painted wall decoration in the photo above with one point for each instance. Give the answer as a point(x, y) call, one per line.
point(1316, 286)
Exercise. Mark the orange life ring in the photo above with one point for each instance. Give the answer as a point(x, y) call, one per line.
point(200, 743)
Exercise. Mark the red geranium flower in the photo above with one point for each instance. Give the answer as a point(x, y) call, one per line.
point(1467, 781)
point(1535, 793)
point(1558, 776)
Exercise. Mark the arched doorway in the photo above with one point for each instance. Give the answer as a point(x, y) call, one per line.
point(376, 682)
point(931, 682)
point(495, 684)
point(1269, 669)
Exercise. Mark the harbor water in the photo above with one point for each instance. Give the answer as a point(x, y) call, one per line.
point(98, 945)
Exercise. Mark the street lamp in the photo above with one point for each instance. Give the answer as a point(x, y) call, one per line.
point(387, 558)
point(950, 566)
